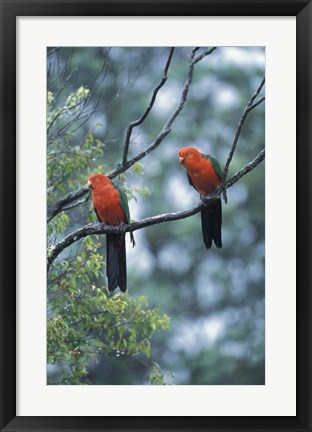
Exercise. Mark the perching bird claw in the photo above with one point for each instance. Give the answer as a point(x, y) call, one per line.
point(218, 190)
point(121, 227)
point(203, 199)
point(103, 227)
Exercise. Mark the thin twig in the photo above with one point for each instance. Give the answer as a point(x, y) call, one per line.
point(67, 199)
point(148, 109)
point(100, 228)
point(246, 169)
point(204, 54)
point(242, 120)
point(259, 101)
point(53, 51)
point(78, 203)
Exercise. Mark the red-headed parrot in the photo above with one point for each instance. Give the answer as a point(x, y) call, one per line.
point(204, 174)
point(111, 207)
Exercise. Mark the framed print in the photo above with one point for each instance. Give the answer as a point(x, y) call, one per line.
point(156, 275)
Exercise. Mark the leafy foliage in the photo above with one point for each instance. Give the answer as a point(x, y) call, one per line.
point(85, 322)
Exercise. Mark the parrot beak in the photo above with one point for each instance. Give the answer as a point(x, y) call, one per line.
point(181, 159)
point(89, 185)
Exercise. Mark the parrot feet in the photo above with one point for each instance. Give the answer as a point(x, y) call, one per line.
point(103, 226)
point(121, 227)
point(218, 190)
point(206, 199)
point(221, 191)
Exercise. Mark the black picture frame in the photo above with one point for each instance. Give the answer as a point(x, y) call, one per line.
point(9, 11)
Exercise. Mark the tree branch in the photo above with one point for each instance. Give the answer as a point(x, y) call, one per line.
point(204, 54)
point(58, 206)
point(148, 109)
point(100, 228)
point(250, 106)
point(53, 51)
point(259, 101)
point(77, 203)
point(67, 199)
point(246, 169)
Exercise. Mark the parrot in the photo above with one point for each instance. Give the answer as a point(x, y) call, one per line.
point(204, 174)
point(111, 207)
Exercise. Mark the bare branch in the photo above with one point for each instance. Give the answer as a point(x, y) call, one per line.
point(204, 54)
point(242, 120)
point(195, 49)
point(77, 203)
point(53, 51)
point(148, 109)
point(246, 169)
point(100, 228)
point(259, 101)
point(67, 199)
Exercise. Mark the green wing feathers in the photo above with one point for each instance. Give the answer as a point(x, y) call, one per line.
point(215, 164)
point(123, 200)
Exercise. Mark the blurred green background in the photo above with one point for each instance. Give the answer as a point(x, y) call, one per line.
point(215, 299)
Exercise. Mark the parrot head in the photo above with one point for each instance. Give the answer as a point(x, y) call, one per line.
point(189, 157)
point(96, 181)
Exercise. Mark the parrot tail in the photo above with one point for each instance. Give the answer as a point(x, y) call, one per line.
point(116, 264)
point(211, 219)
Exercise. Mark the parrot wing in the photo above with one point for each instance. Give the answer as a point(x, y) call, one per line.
point(97, 215)
point(215, 164)
point(190, 180)
point(123, 201)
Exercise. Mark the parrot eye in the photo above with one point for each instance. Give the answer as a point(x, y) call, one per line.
point(189, 155)
point(97, 180)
